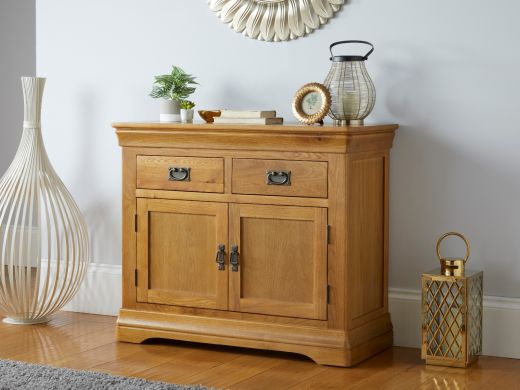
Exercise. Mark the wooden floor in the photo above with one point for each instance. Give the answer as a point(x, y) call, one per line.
point(85, 341)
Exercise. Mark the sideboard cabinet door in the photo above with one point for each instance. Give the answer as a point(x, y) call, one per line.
point(281, 260)
point(177, 247)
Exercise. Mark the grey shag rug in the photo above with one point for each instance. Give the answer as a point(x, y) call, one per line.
point(24, 376)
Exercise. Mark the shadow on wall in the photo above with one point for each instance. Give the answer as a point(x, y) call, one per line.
point(101, 230)
point(438, 186)
point(97, 214)
point(17, 59)
point(11, 131)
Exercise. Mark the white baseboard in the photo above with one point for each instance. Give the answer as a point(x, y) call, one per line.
point(501, 335)
point(101, 294)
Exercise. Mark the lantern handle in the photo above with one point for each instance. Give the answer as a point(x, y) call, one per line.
point(352, 41)
point(468, 250)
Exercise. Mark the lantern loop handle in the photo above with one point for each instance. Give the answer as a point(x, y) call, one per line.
point(353, 41)
point(468, 250)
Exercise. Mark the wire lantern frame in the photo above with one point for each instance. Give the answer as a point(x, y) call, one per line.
point(352, 91)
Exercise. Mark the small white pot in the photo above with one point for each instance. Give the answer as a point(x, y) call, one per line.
point(170, 111)
point(186, 116)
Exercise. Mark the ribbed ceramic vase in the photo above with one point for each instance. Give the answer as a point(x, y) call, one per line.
point(44, 245)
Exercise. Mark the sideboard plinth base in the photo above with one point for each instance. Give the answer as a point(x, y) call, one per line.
point(324, 346)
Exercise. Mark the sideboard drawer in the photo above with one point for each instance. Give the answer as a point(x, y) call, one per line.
point(199, 174)
point(280, 177)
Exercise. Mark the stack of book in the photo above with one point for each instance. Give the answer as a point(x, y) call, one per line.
point(240, 117)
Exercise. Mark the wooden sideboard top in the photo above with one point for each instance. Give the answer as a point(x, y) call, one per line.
point(289, 137)
point(286, 128)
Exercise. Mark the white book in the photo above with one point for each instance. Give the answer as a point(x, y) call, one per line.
point(247, 114)
point(248, 121)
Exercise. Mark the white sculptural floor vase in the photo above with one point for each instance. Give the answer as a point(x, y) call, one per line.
point(44, 245)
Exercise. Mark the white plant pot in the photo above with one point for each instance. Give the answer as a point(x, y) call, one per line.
point(186, 116)
point(170, 111)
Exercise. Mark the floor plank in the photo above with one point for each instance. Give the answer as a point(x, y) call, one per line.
point(196, 360)
point(380, 368)
point(237, 370)
point(281, 376)
point(85, 341)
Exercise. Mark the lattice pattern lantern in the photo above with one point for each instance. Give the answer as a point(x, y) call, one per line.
point(452, 311)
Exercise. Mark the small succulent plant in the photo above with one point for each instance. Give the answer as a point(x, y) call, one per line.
point(187, 104)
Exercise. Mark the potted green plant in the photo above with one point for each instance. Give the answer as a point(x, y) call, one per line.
point(172, 89)
point(187, 111)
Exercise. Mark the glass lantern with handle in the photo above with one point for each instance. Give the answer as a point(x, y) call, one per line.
point(452, 311)
point(351, 88)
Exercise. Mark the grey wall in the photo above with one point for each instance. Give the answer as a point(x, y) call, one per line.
point(446, 71)
point(17, 58)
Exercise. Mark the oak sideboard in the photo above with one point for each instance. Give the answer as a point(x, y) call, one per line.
point(271, 237)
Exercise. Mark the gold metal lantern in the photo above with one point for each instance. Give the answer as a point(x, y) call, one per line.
point(452, 311)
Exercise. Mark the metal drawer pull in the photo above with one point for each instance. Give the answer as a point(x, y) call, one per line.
point(233, 258)
point(221, 253)
point(279, 178)
point(179, 174)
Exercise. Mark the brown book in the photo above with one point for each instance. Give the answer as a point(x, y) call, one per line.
point(247, 114)
point(249, 121)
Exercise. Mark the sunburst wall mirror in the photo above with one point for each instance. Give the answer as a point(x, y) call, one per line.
point(275, 20)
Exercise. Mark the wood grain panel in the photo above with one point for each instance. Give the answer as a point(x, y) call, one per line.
point(287, 273)
point(206, 174)
point(231, 315)
point(266, 267)
point(233, 198)
point(297, 138)
point(325, 346)
point(289, 128)
point(308, 178)
point(227, 153)
point(177, 252)
point(221, 327)
point(366, 234)
point(177, 245)
point(129, 245)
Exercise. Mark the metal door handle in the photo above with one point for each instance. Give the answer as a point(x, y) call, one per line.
point(221, 253)
point(179, 174)
point(278, 178)
point(233, 258)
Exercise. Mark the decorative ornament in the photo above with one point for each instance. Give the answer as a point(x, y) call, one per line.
point(311, 103)
point(352, 90)
point(209, 115)
point(452, 311)
point(44, 247)
point(275, 20)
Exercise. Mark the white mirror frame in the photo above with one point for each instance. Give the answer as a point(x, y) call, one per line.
point(275, 20)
